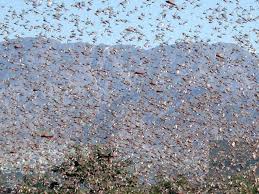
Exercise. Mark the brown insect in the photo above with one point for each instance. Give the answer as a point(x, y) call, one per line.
point(171, 2)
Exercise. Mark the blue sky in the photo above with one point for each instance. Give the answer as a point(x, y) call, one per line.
point(158, 19)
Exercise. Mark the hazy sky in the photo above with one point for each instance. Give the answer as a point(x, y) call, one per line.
point(157, 20)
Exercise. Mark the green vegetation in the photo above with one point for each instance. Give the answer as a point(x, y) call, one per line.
point(243, 183)
point(97, 170)
point(86, 171)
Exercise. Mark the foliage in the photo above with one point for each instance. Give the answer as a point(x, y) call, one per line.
point(97, 170)
point(94, 172)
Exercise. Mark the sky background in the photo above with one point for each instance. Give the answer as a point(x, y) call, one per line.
point(158, 25)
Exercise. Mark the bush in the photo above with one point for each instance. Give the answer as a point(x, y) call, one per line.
point(97, 170)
